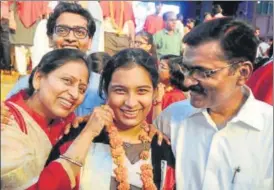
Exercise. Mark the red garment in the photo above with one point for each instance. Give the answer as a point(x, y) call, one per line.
point(153, 24)
point(53, 176)
point(128, 13)
point(57, 127)
point(30, 11)
point(175, 95)
point(5, 9)
point(261, 83)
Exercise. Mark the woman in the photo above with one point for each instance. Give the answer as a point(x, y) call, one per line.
point(56, 87)
point(123, 156)
point(170, 89)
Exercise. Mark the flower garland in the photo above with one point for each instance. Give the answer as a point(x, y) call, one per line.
point(117, 26)
point(118, 155)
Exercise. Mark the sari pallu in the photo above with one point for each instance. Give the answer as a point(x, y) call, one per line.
point(25, 146)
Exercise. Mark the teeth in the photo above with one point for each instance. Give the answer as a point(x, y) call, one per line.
point(70, 47)
point(66, 103)
point(131, 113)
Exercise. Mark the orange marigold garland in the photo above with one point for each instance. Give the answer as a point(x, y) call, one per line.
point(118, 155)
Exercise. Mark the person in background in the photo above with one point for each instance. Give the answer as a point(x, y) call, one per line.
point(119, 25)
point(217, 11)
point(5, 60)
point(168, 40)
point(261, 83)
point(154, 22)
point(97, 61)
point(190, 23)
point(257, 32)
point(98, 40)
point(217, 135)
point(207, 16)
point(170, 89)
point(262, 48)
point(180, 24)
point(41, 44)
point(144, 41)
point(71, 26)
point(39, 116)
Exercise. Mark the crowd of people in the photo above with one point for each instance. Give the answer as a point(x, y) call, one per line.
point(172, 107)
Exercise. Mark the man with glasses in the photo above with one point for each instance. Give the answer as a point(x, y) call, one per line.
point(71, 26)
point(222, 137)
point(168, 40)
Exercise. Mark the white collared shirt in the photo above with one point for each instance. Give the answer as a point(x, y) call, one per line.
point(206, 158)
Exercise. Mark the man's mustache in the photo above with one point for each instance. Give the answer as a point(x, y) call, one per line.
point(197, 88)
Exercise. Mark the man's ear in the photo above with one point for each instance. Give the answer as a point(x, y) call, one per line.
point(51, 43)
point(89, 43)
point(244, 73)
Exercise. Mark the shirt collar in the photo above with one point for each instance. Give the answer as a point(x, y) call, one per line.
point(166, 31)
point(248, 114)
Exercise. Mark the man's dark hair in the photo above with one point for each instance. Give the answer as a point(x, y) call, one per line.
point(217, 9)
point(75, 8)
point(236, 38)
point(97, 61)
point(176, 76)
point(257, 28)
point(166, 14)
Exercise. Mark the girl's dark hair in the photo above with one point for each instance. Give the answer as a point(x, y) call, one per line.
point(125, 58)
point(97, 61)
point(64, 7)
point(53, 60)
point(176, 76)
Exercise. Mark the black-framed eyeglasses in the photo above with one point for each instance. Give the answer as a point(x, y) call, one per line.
point(199, 73)
point(79, 32)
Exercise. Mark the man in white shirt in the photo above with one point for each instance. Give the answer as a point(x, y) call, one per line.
point(222, 138)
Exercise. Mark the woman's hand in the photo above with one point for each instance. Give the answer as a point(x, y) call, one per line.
point(101, 117)
point(152, 130)
point(160, 92)
point(75, 123)
point(6, 117)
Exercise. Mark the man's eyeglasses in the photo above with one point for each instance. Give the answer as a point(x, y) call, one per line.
point(79, 32)
point(199, 73)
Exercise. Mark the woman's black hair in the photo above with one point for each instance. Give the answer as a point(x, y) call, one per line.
point(97, 61)
point(64, 7)
point(125, 58)
point(176, 76)
point(53, 60)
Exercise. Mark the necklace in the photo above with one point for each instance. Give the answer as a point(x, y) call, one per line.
point(118, 156)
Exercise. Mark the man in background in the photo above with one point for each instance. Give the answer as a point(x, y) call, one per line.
point(168, 40)
point(119, 25)
point(5, 61)
point(154, 22)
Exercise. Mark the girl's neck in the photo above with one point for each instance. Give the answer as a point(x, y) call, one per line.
point(131, 135)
